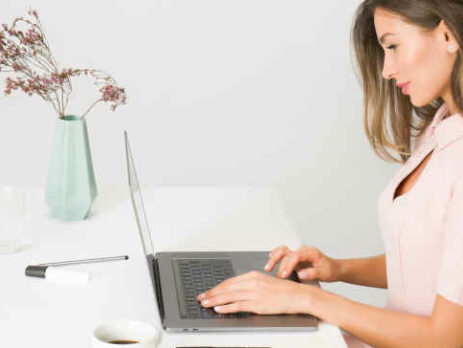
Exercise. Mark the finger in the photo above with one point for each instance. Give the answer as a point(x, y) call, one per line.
point(228, 288)
point(302, 258)
point(277, 249)
point(308, 253)
point(230, 284)
point(275, 256)
point(242, 306)
point(307, 274)
point(288, 264)
point(282, 273)
point(303, 255)
point(221, 288)
point(303, 265)
point(226, 298)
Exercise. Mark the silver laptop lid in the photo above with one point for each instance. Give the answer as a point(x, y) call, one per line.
point(137, 201)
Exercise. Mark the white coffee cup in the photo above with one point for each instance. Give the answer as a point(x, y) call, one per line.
point(113, 334)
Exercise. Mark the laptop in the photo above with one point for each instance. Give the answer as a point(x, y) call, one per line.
point(178, 277)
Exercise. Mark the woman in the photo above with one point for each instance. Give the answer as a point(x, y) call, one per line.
point(409, 54)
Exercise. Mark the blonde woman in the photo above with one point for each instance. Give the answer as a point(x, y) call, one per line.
point(410, 58)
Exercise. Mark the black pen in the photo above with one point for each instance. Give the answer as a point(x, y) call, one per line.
point(101, 259)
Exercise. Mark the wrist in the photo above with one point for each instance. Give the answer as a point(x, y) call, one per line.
point(340, 269)
point(304, 297)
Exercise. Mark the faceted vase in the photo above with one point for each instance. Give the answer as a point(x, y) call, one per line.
point(71, 187)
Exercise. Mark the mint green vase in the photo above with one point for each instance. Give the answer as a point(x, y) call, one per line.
point(71, 187)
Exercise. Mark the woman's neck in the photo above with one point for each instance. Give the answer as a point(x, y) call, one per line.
point(451, 105)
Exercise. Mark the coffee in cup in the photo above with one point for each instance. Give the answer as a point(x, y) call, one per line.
point(134, 334)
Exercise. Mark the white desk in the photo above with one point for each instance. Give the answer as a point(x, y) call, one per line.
point(36, 313)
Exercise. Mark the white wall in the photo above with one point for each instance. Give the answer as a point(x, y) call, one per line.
point(235, 92)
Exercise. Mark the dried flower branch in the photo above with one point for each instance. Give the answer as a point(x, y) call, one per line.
point(26, 53)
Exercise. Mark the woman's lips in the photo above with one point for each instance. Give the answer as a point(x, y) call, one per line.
point(405, 88)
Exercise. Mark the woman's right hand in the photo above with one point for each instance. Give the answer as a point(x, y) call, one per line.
point(308, 262)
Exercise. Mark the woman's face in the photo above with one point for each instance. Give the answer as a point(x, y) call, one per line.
point(414, 55)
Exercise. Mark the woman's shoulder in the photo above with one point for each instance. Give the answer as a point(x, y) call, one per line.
point(450, 160)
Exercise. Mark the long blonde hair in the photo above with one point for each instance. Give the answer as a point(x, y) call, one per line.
point(390, 120)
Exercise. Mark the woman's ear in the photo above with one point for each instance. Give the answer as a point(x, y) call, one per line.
point(447, 38)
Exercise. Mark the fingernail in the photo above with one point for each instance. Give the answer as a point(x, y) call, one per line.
point(205, 302)
point(201, 296)
point(217, 308)
point(283, 275)
point(266, 266)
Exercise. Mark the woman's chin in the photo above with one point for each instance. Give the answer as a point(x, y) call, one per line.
point(418, 102)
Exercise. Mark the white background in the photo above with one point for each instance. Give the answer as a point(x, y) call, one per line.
point(221, 92)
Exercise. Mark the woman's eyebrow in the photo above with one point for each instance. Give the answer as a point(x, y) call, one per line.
point(381, 39)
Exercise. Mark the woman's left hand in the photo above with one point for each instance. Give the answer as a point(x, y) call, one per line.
point(258, 293)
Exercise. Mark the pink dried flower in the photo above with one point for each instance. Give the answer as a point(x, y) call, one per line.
point(33, 13)
point(25, 52)
point(31, 37)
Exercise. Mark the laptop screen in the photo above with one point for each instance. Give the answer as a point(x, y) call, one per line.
point(137, 201)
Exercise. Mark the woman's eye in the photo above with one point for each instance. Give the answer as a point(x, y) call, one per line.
point(391, 47)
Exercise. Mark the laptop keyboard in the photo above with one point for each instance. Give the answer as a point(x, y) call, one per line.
point(194, 276)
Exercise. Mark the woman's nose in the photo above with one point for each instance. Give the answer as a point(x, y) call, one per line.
point(389, 70)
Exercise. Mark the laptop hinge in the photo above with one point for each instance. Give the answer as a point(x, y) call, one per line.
point(157, 288)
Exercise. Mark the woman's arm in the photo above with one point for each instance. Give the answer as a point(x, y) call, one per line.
point(263, 294)
point(386, 328)
point(370, 271)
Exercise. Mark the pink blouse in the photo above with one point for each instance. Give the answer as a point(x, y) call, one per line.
point(422, 230)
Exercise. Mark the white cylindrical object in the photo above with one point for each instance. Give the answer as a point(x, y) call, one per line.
point(12, 202)
point(60, 275)
point(12, 217)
